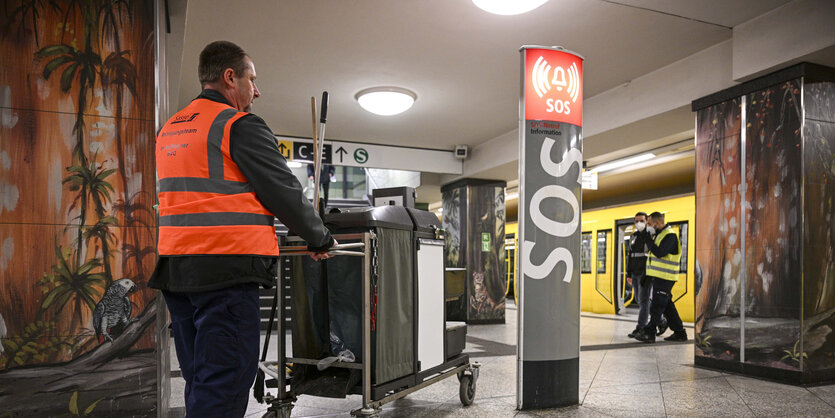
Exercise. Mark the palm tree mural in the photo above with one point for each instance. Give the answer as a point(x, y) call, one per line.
point(103, 233)
point(118, 75)
point(132, 209)
point(77, 60)
point(28, 12)
point(72, 283)
point(83, 67)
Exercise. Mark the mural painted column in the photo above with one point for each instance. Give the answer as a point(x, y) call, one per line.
point(476, 271)
point(764, 233)
point(550, 206)
point(77, 320)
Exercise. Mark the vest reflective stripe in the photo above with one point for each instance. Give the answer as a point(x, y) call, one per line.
point(216, 218)
point(666, 262)
point(667, 267)
point(197, 184)
point(206, 206)
point(639, 254)
point(662, 270)
point(214, 143)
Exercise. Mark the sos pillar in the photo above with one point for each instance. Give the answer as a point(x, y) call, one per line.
point(550, 169)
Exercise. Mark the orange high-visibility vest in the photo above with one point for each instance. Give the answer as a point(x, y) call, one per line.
point(206, 205)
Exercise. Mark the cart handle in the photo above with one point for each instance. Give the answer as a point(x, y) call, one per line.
point(335, 250)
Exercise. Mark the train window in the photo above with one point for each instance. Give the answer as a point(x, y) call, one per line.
point(585, 253)
point(510, 260)
point(682, 229)
point(602, 244)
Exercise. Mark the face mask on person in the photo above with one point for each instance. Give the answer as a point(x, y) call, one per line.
point(651, 230)
point(640, 226)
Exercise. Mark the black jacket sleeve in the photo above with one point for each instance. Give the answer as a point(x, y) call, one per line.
point(254, 149)
point(669, 245)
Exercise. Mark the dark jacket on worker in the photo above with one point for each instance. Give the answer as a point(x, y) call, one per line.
point(254, 149)
point(639, 244)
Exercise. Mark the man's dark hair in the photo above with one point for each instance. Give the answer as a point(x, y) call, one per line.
point(216, 57)
point(657, 216)
point(644, 214)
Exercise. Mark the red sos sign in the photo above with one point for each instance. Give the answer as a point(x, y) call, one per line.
point(553, 86)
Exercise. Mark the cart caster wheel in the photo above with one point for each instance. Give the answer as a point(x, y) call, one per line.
point(283, 411)
point(466, 390)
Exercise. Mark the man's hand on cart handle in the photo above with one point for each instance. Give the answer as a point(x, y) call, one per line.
point(324, 254)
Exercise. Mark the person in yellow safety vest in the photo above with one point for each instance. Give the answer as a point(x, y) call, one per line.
point(636, 271)
point(663, 269)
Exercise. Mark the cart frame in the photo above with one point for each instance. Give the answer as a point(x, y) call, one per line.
point(373, 396)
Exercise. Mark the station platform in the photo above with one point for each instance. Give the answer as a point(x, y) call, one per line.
point(618, 377)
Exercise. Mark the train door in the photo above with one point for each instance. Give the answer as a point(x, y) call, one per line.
point(624, 294)
point(603, 271)
point(510, 262)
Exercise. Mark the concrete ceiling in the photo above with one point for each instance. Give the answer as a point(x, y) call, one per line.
point(463, 63)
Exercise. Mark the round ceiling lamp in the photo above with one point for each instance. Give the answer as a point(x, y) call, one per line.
point(508, 7)
point(386, 101)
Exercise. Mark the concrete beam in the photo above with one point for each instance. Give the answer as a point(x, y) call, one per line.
point(662, 90)
point(784, 36)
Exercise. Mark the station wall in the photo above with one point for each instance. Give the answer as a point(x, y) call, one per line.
point(78, 225)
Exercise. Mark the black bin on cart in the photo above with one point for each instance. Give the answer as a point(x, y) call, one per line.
point(327, 304)
point(409, 339)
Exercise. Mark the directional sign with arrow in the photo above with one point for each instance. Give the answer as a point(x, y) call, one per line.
point(355, 154)
point(286, 149)
point(341, 151)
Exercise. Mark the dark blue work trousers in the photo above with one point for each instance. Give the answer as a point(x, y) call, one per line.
point(216, 334)
point(662, 304)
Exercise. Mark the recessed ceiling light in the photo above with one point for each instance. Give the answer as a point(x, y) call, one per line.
point(623, 163)
point(508, 7)
point(386, 101)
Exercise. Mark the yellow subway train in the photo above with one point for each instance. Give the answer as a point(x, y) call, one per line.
point(604, 252)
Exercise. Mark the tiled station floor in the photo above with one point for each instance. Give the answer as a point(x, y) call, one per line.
point(618, 377)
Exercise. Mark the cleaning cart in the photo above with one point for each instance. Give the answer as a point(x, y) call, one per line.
point(369, 321)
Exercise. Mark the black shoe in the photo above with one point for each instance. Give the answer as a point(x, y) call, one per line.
point(662, 327)
point(634, 332)
point(644, 336)
point(677, 336)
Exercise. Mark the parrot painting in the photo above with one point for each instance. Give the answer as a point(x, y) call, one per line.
point(113, 309)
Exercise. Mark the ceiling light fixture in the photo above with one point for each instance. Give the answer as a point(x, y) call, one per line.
point(294, 164)
point(508, 7)
point(386, 101)
point(622, 163)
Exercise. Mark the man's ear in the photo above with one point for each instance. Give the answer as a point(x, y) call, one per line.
point(229, 77)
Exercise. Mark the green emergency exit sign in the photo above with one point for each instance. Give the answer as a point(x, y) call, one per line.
point(485, 242)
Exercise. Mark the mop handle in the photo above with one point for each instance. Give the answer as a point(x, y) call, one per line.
point(318, 155)
point(315, 155)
